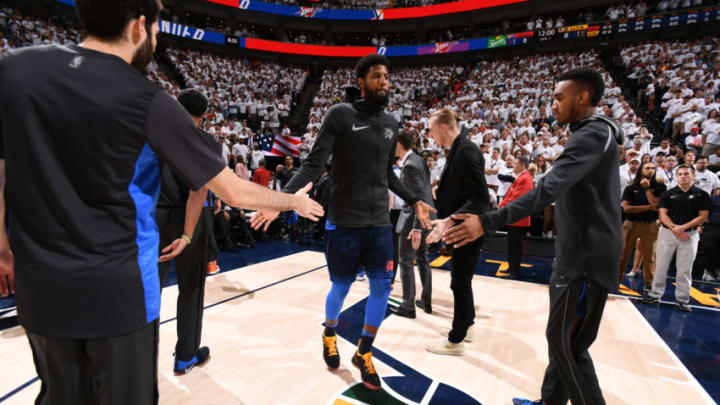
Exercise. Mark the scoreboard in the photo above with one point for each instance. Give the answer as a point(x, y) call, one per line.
point(623, 26)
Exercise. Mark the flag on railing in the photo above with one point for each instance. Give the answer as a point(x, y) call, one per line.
point(285, 145)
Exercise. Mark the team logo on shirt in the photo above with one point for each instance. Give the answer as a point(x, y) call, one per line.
point(76, 62)
point(389, 266)
point(308, 12)
point(389, 133)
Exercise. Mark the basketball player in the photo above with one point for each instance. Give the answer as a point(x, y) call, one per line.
point(362, 138)
point(584, 182)
point(178, 212)
point(82, 130)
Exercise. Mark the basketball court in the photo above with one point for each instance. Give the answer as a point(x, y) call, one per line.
point(262, 324)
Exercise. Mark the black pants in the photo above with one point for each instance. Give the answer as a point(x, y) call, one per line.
point(118, 370)
point(464, 262)
point(710, 245)
point(212, 246)
point(191, 269)
point(515, 248)
point(576, 308)
point(394, 215)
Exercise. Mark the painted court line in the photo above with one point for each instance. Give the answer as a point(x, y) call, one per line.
point(35, 379)
point(691, 380)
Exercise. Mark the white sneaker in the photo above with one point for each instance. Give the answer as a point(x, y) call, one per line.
point(550, 235)
point(632, 274)
point(707, 276)
point(444, 346)
point(468, 336)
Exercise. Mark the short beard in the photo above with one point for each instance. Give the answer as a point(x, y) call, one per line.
point(143, 56)
point(375, 98)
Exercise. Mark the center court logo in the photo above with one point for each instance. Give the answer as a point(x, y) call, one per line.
point(403, 386)
point(307, 12)
point(379, 15)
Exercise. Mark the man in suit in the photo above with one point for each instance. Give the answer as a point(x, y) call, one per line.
point(522, 184)
point(462, 189)
point(412, 246)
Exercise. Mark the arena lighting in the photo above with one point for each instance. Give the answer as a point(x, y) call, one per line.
point(381, 14)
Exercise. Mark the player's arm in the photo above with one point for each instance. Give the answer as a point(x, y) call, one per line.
point(313, 166)
point(582, 154)
point(193, 209)
point(188, 151)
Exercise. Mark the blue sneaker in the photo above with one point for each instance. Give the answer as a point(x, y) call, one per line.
point(199, 359)
point(522, 401)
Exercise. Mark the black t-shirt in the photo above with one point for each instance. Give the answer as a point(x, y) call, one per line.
point(636, 195)
point(684, 207)
point(82, 133)
point(174, 192)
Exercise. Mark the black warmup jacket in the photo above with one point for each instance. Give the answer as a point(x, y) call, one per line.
point(584, 184)
point(361, 137)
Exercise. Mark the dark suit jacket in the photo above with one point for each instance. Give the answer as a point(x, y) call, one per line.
point(462, 186)
point(415, 176)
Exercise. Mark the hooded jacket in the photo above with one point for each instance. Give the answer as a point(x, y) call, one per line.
point(362, 138)
point(584, 183)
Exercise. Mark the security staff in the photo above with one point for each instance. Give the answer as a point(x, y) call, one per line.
point(639, 202)
point(182, 219)
point(584, 182)
point(683, 209)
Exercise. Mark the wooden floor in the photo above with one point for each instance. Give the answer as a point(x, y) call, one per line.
point(265, 345)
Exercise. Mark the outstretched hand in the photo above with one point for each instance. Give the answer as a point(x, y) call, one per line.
point(462, 234)
point(440, 227)
point(422, 211)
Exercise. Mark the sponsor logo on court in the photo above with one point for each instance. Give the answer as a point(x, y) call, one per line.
point(379, 15)
point(307, 12)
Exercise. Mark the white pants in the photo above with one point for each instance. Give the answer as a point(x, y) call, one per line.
point(667, 245)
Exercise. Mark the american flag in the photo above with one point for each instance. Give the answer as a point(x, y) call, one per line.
point(285, 145)
point(266, 143)
point(279, 145)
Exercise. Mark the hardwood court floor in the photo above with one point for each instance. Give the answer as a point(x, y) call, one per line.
point(263, 329)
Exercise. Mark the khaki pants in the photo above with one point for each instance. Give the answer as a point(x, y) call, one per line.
point(667, 245)
point(648, 233)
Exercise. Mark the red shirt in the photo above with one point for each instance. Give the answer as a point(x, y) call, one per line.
point(520, 186)
point(261, 176)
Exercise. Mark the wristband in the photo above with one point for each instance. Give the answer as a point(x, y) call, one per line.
point(187, 239)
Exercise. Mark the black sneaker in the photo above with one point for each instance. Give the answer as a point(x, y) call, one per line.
point(330, 352)
point(650, 300)
point(370, 377)
point(427, 308)
point(405, 313)
point(683, 306)
point(200, 359)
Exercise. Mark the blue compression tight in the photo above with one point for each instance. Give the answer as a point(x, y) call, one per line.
point(374, 309)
